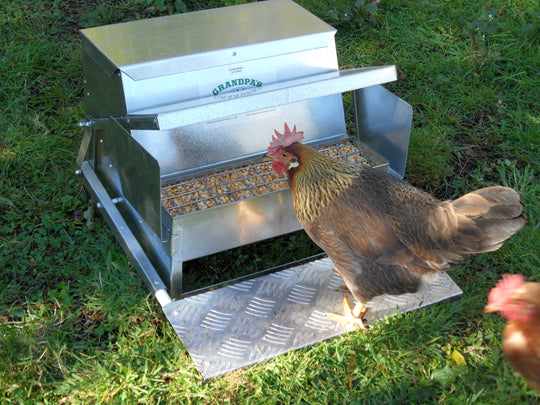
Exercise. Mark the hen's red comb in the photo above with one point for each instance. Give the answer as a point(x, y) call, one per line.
point(287, 138)
point(505, 287)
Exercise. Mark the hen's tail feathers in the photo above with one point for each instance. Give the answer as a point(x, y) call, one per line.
point(489, 216)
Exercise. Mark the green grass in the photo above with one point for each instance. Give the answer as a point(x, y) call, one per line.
point(77, 324)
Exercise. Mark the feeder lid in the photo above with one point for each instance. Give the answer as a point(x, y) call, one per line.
point(172, 44)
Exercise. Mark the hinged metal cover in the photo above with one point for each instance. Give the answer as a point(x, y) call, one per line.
point(165, 60)
point(198, 40)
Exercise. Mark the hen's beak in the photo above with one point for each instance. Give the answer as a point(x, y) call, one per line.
point(490, 308)
point(268, 158)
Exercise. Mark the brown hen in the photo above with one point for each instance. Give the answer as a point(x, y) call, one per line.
point(383, 235)
point(519, 302)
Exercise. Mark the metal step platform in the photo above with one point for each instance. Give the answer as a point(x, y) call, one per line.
point(258, 319)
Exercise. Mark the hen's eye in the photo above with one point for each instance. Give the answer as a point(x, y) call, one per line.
point(284, 155)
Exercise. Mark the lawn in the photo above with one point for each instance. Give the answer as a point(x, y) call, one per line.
point(77, 324)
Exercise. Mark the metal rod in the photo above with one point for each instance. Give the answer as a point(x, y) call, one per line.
point(123, 234)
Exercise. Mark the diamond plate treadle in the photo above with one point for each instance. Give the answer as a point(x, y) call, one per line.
point(258, 319)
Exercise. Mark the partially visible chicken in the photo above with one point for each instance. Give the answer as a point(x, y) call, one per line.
point(383, 235)
point(519, 302)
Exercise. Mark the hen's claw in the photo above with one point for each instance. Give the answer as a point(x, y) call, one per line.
point(352, 315)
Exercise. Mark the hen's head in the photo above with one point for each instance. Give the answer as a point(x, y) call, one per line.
point(284, 160)
point(514, 298)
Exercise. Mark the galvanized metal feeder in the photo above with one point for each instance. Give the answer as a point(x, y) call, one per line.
point(180, 110)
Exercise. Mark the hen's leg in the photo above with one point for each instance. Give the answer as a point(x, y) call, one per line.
point(352, 315)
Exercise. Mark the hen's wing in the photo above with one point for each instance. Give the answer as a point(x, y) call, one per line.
point(361, 240)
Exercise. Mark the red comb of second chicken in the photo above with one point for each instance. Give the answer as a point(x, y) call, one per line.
point(505, 287)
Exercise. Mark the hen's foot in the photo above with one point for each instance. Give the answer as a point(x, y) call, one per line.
point(352, 315)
